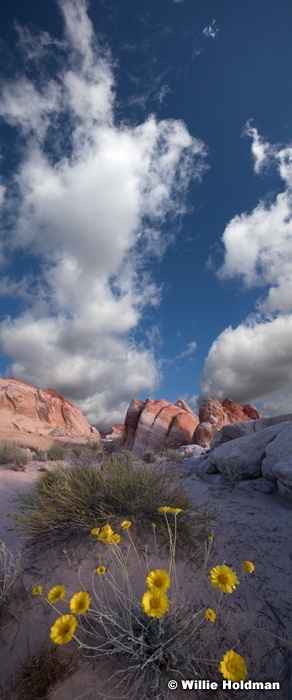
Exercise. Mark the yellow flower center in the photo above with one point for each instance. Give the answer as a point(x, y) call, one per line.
point(224, 579)
point(155, 602)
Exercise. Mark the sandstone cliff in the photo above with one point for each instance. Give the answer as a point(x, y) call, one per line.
point(28, 409)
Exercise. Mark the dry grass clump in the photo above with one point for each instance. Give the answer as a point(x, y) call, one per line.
point(11, 452)
point(67, 503)
point(56, 452)
point(10, 568)
point(172, 455)
point(40, 673)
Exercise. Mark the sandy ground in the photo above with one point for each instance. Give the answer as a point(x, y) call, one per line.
point(252, 526)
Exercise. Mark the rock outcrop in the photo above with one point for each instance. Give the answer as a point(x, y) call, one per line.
point(213, 415)
point(28, 409)
point(253, 454)
point(153, 425)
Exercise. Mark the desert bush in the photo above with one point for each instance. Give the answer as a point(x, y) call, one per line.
point(154, 634)
point(40, 673)
point(56, 452)
point(232, 471)
point(66, 503)
point(95, 446)
point(149, 457)
point(172, 455)
point(12, 452)
point(10, 568)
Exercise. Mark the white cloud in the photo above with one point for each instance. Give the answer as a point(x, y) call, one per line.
point(189, 350)
point(91, 210)
point(210, 31)
point(258, 245)
point(261, 150)
point(253, 362)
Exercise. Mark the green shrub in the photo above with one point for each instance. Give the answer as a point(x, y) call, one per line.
point(69, 503)
point(56, 452)
point(11, 452)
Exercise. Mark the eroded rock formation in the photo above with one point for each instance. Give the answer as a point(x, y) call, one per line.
point(153, 425)
point(44, 412)
point(213, 415)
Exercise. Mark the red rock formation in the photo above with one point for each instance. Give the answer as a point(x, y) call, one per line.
point(116, 429)
point(213, 415)
point(40, 411)
point(156, 424)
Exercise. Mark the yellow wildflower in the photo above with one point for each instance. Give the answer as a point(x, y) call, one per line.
point(114, 539)
point(155, 603)
point(248, 566)
point(100, 570)
point(169, 509)
point(233, 667)
point(95, 531)
point(125, 524)
point(224, 578)
point(56, 593)
point(37, 590)
point(63, 629)
point(210, 615)
point(80, 603)
point(158, 580)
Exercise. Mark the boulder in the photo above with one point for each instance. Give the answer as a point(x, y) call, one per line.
point(154, 425)
point(244, 455)
point(40, 411)
point(256, 455)
point(232, 431)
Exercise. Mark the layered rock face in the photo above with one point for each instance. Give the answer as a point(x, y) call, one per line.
point(152, 425)
point(40, 411)
point(213, 415)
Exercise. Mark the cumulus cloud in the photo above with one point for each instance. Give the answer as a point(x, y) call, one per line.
point(253, 362)
point(90, 201)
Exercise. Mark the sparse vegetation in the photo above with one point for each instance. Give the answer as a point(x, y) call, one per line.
point(67, 503)
point(12, 453)
point(149, 457)
point(56, 452)
point(95, 446)
point(10, 568)
point(231, 472)
point(40, 673)
point(172, 455)
point(154, 634)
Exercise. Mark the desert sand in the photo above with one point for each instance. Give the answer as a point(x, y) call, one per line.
point(249, 526)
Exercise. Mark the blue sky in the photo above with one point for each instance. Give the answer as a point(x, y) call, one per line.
point(145, 192)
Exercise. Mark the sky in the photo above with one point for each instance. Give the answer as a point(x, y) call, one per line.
point(145, 201)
